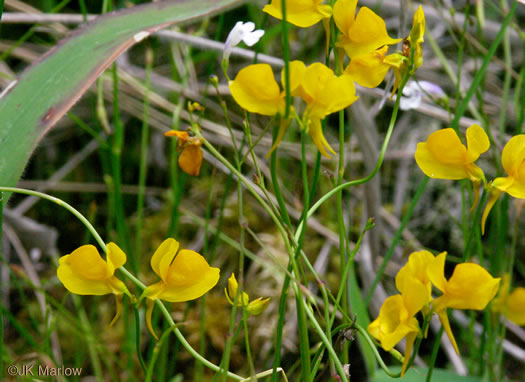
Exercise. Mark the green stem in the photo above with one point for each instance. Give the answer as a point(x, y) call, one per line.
point(507, 56)
point(155, 355)
point(143, 165)
point(435, 350)
point(481, 72)
point(286, 58)
point(396, 239)
point(137, 339)
point(116, 171)
point(379, 162)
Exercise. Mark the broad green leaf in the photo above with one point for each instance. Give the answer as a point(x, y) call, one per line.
point(47, 89)
point(418, 374)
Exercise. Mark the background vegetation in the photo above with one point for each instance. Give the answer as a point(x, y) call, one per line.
point(109, 158)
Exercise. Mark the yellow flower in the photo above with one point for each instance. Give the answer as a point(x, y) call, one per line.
point(396, 318)
point(256, 90)
point(415, 268)
point(303, 13)
point(469, 287)
point(443, 156)
point(190, 159)
point(513, 161)
point(369, 70)
point(513, 305)
point(360, 34)
point(324, 94)
point(254, 307)
point(84, 272)
point(185, 275)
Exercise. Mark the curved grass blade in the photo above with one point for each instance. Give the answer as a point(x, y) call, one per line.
point(33, 103)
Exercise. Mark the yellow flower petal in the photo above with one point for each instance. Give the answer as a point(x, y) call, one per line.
point(513, 154)
point(78, 285)
point(399, 65)
point(187, 268)
point(161, 259)
point(256, 90)
point(477, 142)
point(393, 322)
point(434, 168)
point(315, 79)
point(303, 13)
point(436, 271)
point(344, 15)
point(190, 159)
point(282, 130)
point(516, 189)
point(470, 287)
point(116, 256)
point(415, 296)
point(153, 291)
point(415, 269)
point(411, 338)
point(344, 87)
point(231, 292)
point(326, 93)
point(86, 262)
point(516, 306)
point(494, 195)
point(443, 317)
point(257, 306)
point(149, 313)
point(446, 147)
point(368, 70)
point(297, 72)
point(182, 135)
point(416, 36)
point(118, 303)
point(191, 291)
point(367, 33)
point(315, 130)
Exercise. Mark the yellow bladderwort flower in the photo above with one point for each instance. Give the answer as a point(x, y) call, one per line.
point(324, 94)
point(511, 305)
point(190, 158)
point(185, 275)
point(303, 13)
point(513, 161)
point(256, 90)
point(254, 307)
point(396, 318)
point(443, 156)
point(369, 70)
point(399, 62)
point(415, 268)
point(361, 34)
point(469, 287)
point(84, 272)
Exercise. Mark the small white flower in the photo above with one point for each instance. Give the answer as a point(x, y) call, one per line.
point(414, 92)
point(241, 32)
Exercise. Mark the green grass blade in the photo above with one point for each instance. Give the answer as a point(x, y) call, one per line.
point(48, 89)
